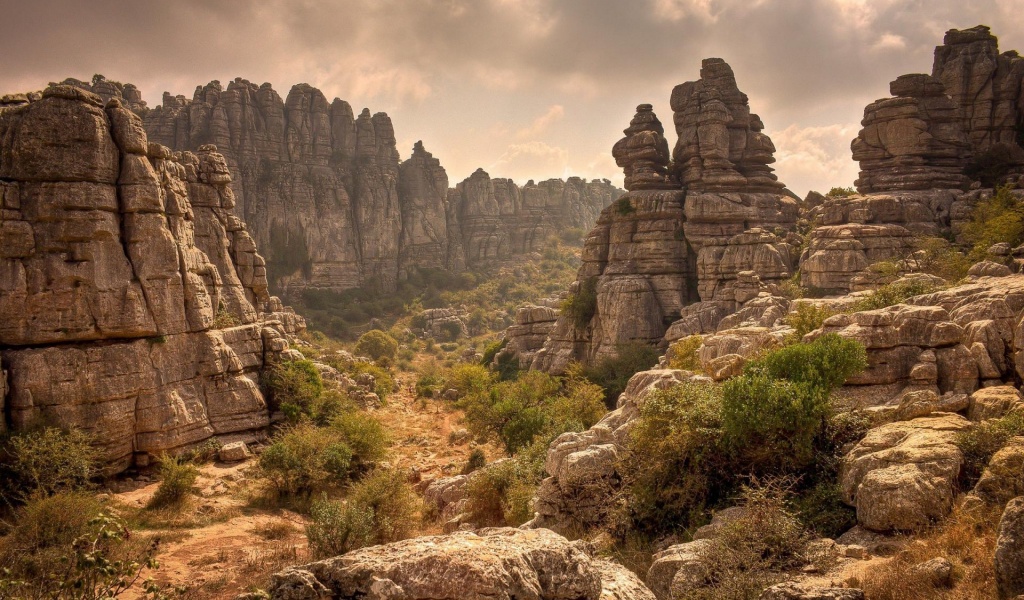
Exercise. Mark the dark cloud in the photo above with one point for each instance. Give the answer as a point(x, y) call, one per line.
point(451, 71)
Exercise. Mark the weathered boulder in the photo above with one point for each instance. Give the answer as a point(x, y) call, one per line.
point(643, 153)
point(1003, 478)
point(488, 564)
point(901, 476)
point(678, 568)
point(1009, 556)
point(994, 402)
point(533, 324)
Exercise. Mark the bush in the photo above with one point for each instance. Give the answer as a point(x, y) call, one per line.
point(892, 294)
point(613, 373)
point(773, 413)
point(842, 192)
point(752, 552)
point(624, 207)
point(937, 256)
point(501, 494)
point(46, 461)
point(292, 387)
point(468, 379)
point(581, 305)
point(176, 480)
point(384, 383)
point(981, 442)
point(822, 510)
point(999, 219)
point(66, 546)
point(336, 527)
point(492, 350)
point(377, 345)
point(364, 435)
point(476, 461)
point(304, 458)
point(682, 354)
point(806, 318)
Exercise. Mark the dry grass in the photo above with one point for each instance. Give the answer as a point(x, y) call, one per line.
point(967, 540)
point(274, 530)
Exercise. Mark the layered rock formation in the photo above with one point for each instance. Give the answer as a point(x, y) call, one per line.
point(499, 563)
point(325, 194)
point(986, 86)
point(121, 268)
point(714, 227)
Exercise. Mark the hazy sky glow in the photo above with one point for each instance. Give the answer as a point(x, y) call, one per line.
point(523, 88)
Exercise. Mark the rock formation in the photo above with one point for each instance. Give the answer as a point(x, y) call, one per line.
point(1009, 555)
point(913, 141)
point(133, 300)
point(986, 86)
point(713, 228)
point(325, 194)
point(499, 564)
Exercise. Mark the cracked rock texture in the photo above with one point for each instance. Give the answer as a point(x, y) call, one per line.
point(120, 266)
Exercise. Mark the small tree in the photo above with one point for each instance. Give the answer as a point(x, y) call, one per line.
point(377, 345)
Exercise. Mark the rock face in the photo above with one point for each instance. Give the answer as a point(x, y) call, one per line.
point(489, 564)
point(325, 194)
point(901, 476)
point(913, 141)
point(986, 88)
point(712, 227)
point(121, 266)
point(1009, 558)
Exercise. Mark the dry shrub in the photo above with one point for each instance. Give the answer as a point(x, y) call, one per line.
point(966, 539)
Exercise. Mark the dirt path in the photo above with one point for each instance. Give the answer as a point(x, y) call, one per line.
point(224, 545)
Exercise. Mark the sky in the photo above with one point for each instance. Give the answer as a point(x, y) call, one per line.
point(527, 89)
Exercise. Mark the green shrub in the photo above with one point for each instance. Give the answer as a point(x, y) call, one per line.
point(581, 305)
point(336, 527)
point(66, 547)
point(46, 461)
point(328, 406)
point(384, 382)
point(893, 293)
point(501, 494)
point(842, 192)
point(937, 256)
point(492, 350)
point(364, 435)
point(981, 442)
point(806, 318)
point(476, 461)
point(468, 379)
point(292, 387)
point(999, 219)
point(675, 465)
point(624, 207)
point(507, 366)
point(303, 459)
point(773, 413)
point(377, 345)
point(176, 480)
point(822, 510)
point(451, 331)
point(579, 406)
point(682, 354)
point(613, 373)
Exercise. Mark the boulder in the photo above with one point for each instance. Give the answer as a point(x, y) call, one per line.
point(902, 476)
point(490, 564)
point(233, 452)
point(994, 402)
point(1009, 555)
point(1003, 477)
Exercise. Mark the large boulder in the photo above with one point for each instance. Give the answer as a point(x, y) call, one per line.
point(502, 564)
point(902, 476)
point(1009, 556)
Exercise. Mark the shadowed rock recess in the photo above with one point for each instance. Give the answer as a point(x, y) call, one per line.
point(133, 303)
point(331, 204)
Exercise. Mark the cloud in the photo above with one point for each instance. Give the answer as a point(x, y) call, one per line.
point(815, 157)
point(447, 70)
point(531, 160)
point(540, 125)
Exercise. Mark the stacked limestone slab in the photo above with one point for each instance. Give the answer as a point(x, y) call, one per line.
point(330, 203)
point(705, 234)
point(117, 258)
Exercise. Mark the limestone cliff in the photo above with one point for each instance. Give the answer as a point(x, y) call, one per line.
point(133, 301)
point(329, 201)
point(693, 229)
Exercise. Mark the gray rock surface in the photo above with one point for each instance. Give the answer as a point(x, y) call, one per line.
point(1009, 556)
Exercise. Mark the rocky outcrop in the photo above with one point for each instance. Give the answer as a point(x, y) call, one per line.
point(986, 87)
point(1009, 556)
point(714, 227)
point(129, 95)
point(902, 476)
point(325, 194)
point(582, 466)
point(488, 564)
point(533, 324)
point(132, 299)
point(913, 141)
